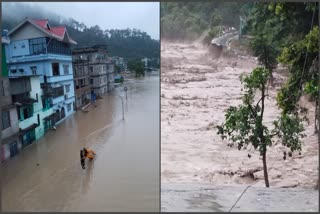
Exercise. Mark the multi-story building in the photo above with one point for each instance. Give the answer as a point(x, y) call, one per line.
point(43, 54)
point(81, 81)
point(10, 135)
point(121, 62)
point(110, 74)
point(26, 93)
point(100, 68)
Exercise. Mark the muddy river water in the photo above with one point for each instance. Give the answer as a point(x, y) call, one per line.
point(48, 176)
point(196, 89)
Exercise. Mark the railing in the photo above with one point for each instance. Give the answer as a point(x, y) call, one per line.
point(59, 78)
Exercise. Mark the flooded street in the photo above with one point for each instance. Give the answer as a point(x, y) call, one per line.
point(124, 176)
point(196, 89)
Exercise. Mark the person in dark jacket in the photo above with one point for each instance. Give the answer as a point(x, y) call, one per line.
point(82, 159)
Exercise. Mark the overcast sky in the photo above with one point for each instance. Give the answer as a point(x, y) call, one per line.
point(110, 15)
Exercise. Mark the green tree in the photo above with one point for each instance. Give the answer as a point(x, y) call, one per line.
point(216, 20)
point(137, 66)
point(266, 52)
point(244, 124)
point(302, 58)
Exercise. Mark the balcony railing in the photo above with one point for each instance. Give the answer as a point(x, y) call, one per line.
point(59, 78)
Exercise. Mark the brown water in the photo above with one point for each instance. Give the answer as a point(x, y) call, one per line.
point(196, 89)
point(124, 175)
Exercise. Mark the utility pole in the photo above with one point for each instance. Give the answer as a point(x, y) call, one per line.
point(126, 89)
point(122, 107)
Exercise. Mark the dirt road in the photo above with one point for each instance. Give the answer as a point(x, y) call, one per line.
point(195, 92)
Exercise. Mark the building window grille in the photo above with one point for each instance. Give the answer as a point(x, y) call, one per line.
point(66, 69)
point(5, 119)
point(67, 88)
point(34, 70)
point(38, 45)
point(55, 69)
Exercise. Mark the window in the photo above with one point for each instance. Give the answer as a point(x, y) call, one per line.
point(105, 79)
point(34, 70)
point(58, 47)
point(91, 81)
point(37, 46)
point(21, 70)
point(13, 71)
point(81, 71)
point(57, 92)
point(25, 113)
point(67, 88)
point(55, 69)
point(81, 82)
point(66, 69)
point(91, 69)
point(2, 89)
point(69, 107)
point(5, 119)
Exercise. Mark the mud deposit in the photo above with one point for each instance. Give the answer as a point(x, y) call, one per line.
point(196, 89)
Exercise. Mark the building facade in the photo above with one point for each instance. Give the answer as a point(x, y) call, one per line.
point(81, 81)
point(100, 67)
point(110, 74)
point(10, 135)
point(121, 62)
point(41, 54)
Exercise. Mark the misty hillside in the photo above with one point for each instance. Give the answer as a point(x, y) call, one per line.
point(194, 18)
point(127, 43)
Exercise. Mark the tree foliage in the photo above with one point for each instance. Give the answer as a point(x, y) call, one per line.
point(244, 124)
point(188, 20)
point(289, 35)
point(137, 66)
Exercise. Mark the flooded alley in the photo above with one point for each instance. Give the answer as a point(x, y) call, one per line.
point(47, 176)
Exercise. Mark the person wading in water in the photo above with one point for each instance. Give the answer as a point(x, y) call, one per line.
point(82, 158)
point(88, 153)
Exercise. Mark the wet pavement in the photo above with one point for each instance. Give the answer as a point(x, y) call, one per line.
point(190, 197)
point(47, 176)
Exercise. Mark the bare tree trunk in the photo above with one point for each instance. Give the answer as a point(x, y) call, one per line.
point(316, 121)
point(265, 168)
point(264, 160)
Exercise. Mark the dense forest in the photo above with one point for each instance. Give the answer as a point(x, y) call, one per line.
point(189, 20)
point(127, 43)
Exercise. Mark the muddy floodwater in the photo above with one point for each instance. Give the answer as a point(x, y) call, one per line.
point(124, 176)
point(196, 89)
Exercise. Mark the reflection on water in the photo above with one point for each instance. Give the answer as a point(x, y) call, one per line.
point(124, 176)
point(87, 178)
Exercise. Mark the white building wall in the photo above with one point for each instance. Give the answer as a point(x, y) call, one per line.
point(27, 31)
point(14, 128)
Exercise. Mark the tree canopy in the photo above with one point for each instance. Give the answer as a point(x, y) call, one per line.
point(188, 20)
